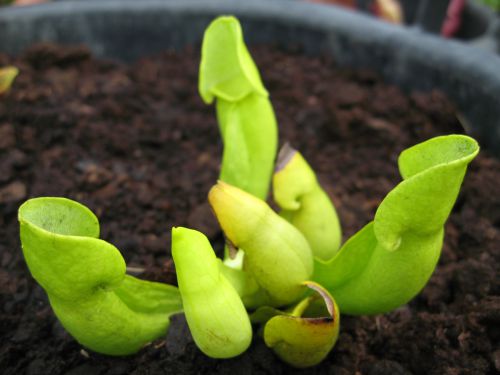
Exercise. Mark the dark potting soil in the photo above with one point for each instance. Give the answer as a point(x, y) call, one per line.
point(137, 145)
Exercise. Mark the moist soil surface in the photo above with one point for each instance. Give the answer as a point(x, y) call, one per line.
point(136, 145)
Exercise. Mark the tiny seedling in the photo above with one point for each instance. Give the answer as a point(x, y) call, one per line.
point(103, 308)
point(246, 119)
point(294, 279)
point(304, 334)
point(393, 256)
point(305, 204)
point(267, 239)
point(7, 76)
point(214, 311)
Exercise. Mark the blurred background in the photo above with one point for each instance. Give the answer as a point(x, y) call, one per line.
point(475, 21)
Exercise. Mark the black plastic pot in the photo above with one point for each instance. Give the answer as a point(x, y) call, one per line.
point(414, 60)
point(480, 26)
point(478, 22)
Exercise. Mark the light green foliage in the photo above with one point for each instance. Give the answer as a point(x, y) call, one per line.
point(244, 112)
point(103, 308)
point(304, 336)
point(7, 76)
point(305, 204)
point(215, 313)
point(245, 285)
point(494, 4)
point(390, 260)
point(277, 255)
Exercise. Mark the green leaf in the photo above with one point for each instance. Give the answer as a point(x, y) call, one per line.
point(7, 76)
point(214, 312)
point(305, 204)
point(249, 131)
point(390, 260)
point(350, 261)
point(84, 277)
point(277, 256)
point(227, 70)
point(304, 337)
point(245, 285)
point(245, 115)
